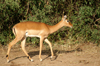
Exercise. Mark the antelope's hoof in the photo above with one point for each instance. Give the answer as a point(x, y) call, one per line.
point(31, 60)
point(8, 61)
point(51, 56)
point(40, 59)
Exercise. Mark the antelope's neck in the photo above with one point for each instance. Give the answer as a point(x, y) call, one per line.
point(56, 27)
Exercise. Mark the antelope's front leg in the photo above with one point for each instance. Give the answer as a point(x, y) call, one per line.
point(50, 45)
point(41, 42)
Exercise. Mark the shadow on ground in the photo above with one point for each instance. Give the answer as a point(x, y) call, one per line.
point(48, 53)
point(56, 53)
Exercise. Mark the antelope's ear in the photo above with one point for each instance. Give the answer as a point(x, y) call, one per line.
point(64, 17)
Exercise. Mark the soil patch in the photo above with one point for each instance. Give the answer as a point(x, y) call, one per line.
point(82, 55)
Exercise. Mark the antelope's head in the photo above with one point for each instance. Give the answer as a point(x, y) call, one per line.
point(66, 22)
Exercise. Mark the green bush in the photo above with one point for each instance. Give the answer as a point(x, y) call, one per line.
point(86, 25)
point(84, 15)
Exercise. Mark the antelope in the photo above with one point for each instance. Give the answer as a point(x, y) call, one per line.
point(26, 29)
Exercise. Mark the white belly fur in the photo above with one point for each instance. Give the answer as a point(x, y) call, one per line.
point(31, 35)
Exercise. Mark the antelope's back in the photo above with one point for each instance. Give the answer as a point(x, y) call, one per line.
point(30, 25)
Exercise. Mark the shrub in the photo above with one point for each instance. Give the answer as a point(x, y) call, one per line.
point(84, 15)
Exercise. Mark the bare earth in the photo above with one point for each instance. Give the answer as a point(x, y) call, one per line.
point(80, 55)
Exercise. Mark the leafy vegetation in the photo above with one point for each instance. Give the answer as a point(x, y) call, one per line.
point(83, 14)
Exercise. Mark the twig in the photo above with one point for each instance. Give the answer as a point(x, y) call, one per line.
point(97, 19)
point(27, 9)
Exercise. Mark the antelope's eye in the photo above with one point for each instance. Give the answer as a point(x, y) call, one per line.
point(67, 20)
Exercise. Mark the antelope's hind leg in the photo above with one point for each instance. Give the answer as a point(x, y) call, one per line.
point(17, 38)
point(23, 48)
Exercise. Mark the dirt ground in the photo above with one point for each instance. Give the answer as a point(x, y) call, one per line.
point(81, 55)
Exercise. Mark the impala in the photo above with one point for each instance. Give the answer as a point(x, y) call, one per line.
point(35, 29)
